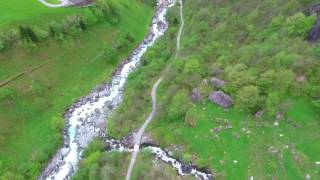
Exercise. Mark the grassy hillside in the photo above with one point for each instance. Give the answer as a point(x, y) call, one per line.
point(29, 11)
point(259, 49)
point(32, 106)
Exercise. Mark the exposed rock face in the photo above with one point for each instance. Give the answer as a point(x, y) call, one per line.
point(315, 9)
point(221, 99)
point(196, 95)
point(217, 83)
point(81, 2)
point(315, 32)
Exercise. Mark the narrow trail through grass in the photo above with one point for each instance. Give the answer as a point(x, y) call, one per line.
point(140, 133)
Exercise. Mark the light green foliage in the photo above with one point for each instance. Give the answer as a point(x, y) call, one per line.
point(299, 24)
point(179, 106)
point(283, 80)
point(248, 98)
point(191, 117)
point(272, 102)
point(192, 66)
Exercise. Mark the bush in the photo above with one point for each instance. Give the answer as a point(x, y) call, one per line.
point(41, 33)
point(179, 106)
point(26, 33)
point(2, 45)
point(248, 98)
point(299, 24)
point(191, 117)
point(55, 28)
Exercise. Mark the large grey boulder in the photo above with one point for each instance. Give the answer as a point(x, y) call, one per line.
point(196, 95)
point(217, 83)
point(315, 9)
point(221, 99)
point(315, 32)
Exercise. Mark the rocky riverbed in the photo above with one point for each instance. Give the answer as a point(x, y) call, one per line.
point(126, 145)
point(86, 118)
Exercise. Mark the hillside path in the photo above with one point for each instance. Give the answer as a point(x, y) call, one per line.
point(138, 136)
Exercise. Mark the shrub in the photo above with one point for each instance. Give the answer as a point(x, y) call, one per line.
point(41, 33)
point(55, 28)
point(179, 106)
point(248, 98)
point(191, 117)
point(26, 33)
point(2, 45)
point(299, 24)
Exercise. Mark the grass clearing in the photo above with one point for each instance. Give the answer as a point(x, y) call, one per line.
point(260, 149)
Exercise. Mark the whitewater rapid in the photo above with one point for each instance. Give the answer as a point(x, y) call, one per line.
point(86, 118)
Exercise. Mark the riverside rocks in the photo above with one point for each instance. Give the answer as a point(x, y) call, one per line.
point(221, 99)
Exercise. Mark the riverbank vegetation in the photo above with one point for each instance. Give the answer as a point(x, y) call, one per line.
point(45, 82)
point(101, 165)
point(269, 69)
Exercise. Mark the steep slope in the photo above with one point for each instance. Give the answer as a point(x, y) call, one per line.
point(32, 106)
point(268, 67)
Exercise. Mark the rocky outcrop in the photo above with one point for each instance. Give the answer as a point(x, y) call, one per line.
point(315, 32)
point(217, 83)
point(196, 95)
point(315, 9)
point(81, 2)
point(221, 99)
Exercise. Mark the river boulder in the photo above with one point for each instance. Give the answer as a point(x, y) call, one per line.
point(221, 99)
point(217, 83)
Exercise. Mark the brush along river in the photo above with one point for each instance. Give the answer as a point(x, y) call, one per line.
point(86, 118)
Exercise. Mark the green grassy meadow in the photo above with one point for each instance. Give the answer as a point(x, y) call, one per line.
point(261, 149)
point(29, 119)
point(237, 43)
point(15, 12)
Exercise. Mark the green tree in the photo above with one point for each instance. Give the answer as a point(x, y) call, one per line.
point(266, 80)
point(248, 98)
point(272, 103)
point(299, 24)
point(178, 106)
point(283, 80)
point(192, 66)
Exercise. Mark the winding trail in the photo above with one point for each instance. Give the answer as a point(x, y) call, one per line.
point(62, 3)
point(180, 29)
point(138, 136)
